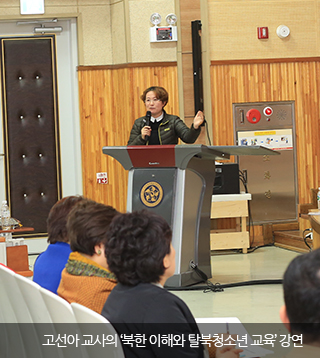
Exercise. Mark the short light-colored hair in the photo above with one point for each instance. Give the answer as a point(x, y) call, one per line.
point(160, 92)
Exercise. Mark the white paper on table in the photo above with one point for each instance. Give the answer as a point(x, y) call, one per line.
point(232, 326)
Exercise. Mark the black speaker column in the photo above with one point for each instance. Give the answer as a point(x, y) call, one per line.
point(197, 65)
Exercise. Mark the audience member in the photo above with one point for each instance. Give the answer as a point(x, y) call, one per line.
point(301, 312)
point(140, 253)
point(50, 263)
point(86, 278)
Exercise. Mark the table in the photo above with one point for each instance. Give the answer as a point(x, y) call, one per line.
point(18, 230)
point(314, 218)
point(17, 256)
point(230, 206)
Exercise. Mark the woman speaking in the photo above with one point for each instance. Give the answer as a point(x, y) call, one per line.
point(157, 127)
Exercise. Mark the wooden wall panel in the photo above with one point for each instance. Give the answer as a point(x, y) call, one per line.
point(279, 81)
point(109, 104)
point(233, 29)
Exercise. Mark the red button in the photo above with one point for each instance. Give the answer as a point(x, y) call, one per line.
point(267, 111)
point(253, 116)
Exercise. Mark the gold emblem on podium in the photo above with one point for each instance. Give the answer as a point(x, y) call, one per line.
point(151, 194)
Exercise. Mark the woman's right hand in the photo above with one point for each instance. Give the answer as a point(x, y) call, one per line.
point(146, 130)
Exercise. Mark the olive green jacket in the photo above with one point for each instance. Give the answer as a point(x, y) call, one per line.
point(170, 130)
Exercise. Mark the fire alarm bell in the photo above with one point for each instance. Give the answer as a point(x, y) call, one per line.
point(253, 116)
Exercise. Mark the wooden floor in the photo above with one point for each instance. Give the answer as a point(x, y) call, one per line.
point(292, 240)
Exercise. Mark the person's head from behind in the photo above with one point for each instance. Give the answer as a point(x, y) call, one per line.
point(57, 218)
point(301, 286)
point(88, 224)
point(139, 248)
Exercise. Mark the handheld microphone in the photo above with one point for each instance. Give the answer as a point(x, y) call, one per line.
point(204, 118)
point(148, 117)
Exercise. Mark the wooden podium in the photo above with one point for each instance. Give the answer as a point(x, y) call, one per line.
point(176, 182)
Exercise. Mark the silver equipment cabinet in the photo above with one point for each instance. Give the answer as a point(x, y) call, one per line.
point(272, 181)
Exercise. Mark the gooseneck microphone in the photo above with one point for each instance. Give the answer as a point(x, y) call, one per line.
point(148, 117)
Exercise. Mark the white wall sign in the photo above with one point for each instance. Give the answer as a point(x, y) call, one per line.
point(102, 178)
point(31, 7)
point(277, 139)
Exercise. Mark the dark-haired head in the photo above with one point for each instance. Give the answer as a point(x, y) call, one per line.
point(137, 245)
point(57, 219)
point(301, 286)
point(87, 225)
point(160, 93)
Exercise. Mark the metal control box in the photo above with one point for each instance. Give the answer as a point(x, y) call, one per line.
point(272, 180)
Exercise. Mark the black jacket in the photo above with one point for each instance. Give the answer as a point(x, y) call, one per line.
point(170, 130)
point(151, 312)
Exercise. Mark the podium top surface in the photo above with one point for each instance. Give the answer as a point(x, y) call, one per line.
point(161, 156)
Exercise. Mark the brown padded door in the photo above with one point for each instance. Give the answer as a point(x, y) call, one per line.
point(31, 131)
